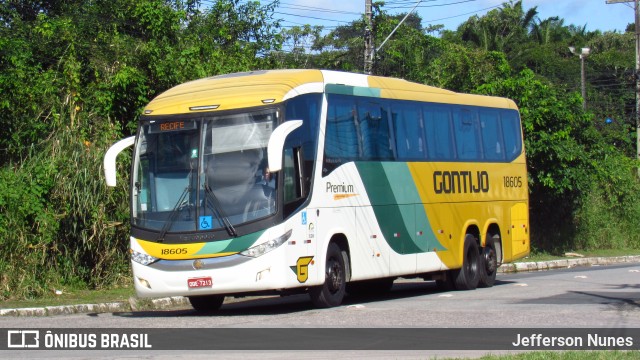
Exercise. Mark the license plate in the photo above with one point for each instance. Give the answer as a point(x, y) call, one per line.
point(200, 282)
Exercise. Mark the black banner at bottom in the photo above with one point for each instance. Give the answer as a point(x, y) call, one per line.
point(322, 339)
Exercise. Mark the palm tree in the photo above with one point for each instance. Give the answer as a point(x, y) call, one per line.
point(500, 29)
point(549, 30)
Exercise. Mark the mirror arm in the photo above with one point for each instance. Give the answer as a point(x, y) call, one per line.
point(110, 159)
point(276, 143)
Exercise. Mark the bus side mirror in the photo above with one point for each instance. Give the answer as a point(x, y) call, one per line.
point(110, 159)
point(276, 143)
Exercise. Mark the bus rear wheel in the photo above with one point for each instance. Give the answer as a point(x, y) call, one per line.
point(468, 276)
point(206, 303)
point(332, 292)
point(488, 263)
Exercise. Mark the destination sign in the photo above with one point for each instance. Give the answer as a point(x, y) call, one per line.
point(169, 126)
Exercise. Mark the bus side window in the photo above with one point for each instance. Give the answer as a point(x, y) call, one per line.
point(374, 131)
point(409, 132)
point(491, 135)
point(511, 133)
point(437, 127)
point(341, 134)
point(467, 133)
point(293, 173)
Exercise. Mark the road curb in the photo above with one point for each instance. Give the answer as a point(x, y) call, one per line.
point(120, 306)
point(566, 263)
point(165, 303)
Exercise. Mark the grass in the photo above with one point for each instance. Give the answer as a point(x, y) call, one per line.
point(568, 355)
point(543, 256)
point(73, 297)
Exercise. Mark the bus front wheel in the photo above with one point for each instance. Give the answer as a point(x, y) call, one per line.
point(206, 303)
point(468, 276)
point(333, 290)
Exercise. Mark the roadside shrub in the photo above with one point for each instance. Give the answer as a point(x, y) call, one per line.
point(607, 216)
point(59, 224)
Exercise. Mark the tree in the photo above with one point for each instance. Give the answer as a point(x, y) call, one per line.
point(77, 75)
point(550, 30)
point(567, 159)
point(500, 29)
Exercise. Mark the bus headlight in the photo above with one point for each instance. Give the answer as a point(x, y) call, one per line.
point(266, 247)
point(141, 258)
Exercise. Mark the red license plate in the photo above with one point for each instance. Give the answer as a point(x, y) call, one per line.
point(200, 282)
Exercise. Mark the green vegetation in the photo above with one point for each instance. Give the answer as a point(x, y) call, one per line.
point(73, 297)
point(75, 75)
point(546, 256)
point(567, 355)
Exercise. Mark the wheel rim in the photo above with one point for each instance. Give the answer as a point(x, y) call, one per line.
point(334, 275)
point(490, 260)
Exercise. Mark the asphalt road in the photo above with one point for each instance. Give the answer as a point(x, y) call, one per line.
point(590, 297)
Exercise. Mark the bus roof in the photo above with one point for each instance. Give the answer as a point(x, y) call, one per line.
point(249, 89)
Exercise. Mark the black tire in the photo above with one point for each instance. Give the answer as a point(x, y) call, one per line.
point(206, 303)
point(488, 263)
point(332, 292)
point(468, 276)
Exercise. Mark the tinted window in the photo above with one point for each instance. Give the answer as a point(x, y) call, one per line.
point(512, 134)
point(307, 109)
point(465, 124)
point(300, 150)
point(437, 123)
point(374, 131)
point(492, 144)
point(358, 129)
point(409, 131)
point(341, 138)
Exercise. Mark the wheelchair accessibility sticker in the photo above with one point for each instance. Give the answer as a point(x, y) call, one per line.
point(205, 223)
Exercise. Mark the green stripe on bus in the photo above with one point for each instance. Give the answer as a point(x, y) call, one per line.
point(234, 245)
point(397, 206)
point(352, 90)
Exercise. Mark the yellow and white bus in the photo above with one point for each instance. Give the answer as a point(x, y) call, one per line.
point(325, 182)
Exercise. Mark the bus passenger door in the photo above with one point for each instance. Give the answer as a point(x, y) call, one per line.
point(301, 247)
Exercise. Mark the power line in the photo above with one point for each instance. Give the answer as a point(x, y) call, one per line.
point(317, 9)
point(311, 17)
point(469, 13)
point(434, 5)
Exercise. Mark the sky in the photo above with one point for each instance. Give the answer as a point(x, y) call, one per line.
point(595, 14)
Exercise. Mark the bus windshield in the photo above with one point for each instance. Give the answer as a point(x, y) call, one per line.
point(203, 174)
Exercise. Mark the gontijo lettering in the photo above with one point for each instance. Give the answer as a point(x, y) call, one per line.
point(458, 182)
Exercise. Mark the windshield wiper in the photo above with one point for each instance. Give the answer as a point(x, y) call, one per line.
point(180, 204)
point(218, 212)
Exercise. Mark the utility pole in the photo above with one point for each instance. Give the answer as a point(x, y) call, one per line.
point(636, 4)
point(369, 49)
point(368, 38)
